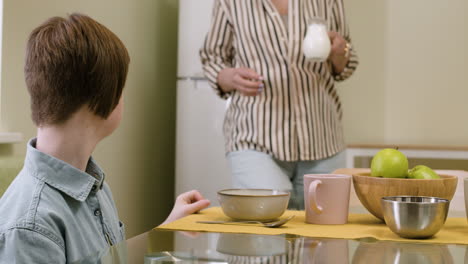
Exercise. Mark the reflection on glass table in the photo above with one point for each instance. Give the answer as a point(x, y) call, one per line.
point(156, 247)
point(392, 252)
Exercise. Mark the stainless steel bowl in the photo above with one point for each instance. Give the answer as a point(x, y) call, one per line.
point(415, 216)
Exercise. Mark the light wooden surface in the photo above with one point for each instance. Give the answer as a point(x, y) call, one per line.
point(354, 202)
point(347, 171)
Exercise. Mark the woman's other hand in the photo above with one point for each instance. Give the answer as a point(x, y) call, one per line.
point(245, 80)
point(339, 53)
point(186, 204)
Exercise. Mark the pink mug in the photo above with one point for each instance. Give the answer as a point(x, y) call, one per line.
point(326, 198)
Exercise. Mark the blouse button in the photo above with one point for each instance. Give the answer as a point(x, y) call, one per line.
point(97, 212)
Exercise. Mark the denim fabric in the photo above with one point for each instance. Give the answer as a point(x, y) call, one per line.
point(55, 213)
point(254, 169)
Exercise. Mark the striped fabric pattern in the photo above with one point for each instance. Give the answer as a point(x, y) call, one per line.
point(298, 114)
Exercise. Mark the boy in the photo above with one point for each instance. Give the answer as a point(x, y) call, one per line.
point(59, 209)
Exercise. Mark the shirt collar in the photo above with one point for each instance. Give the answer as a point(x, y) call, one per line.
point(61, 175)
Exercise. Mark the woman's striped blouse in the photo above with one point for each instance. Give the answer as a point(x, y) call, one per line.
point(297, 116)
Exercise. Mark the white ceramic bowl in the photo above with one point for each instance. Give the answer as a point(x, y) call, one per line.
point(253, 204)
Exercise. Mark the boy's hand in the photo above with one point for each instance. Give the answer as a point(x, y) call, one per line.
point(187, 203)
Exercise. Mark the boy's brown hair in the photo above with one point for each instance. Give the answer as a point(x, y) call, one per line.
point(71, 62)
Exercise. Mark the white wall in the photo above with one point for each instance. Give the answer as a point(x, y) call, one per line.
point(426, 89)
point(363, 95)
point(410, 87)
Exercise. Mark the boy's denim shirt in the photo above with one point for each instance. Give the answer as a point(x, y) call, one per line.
point(54, 213)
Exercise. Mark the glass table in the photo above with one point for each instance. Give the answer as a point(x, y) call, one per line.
point(156, 247)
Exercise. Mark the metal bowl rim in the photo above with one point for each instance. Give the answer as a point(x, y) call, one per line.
point(388, 199)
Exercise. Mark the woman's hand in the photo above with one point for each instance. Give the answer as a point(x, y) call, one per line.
point(186, 204)
point(245, 80)
point(339, 53)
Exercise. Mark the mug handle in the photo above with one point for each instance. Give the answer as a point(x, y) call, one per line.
point(313, 197)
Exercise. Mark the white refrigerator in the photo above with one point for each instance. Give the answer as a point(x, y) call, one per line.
point(200, 156)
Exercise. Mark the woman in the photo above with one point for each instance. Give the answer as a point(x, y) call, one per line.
point(284, 119)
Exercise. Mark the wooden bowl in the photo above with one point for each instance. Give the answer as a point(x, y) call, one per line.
point(370, 189)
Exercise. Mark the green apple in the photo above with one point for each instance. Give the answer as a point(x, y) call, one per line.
point(389, 163)
point(422, 172)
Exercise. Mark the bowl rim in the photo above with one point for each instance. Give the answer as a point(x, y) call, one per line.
point(280, 193)
point(443, 177)
point(388, 199)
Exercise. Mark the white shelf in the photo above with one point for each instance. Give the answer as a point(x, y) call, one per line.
point(10, 137)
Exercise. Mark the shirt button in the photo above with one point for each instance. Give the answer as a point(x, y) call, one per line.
point(93, 188)
point(97, 212)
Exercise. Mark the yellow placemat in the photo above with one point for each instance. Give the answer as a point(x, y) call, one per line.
point(455, 230)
